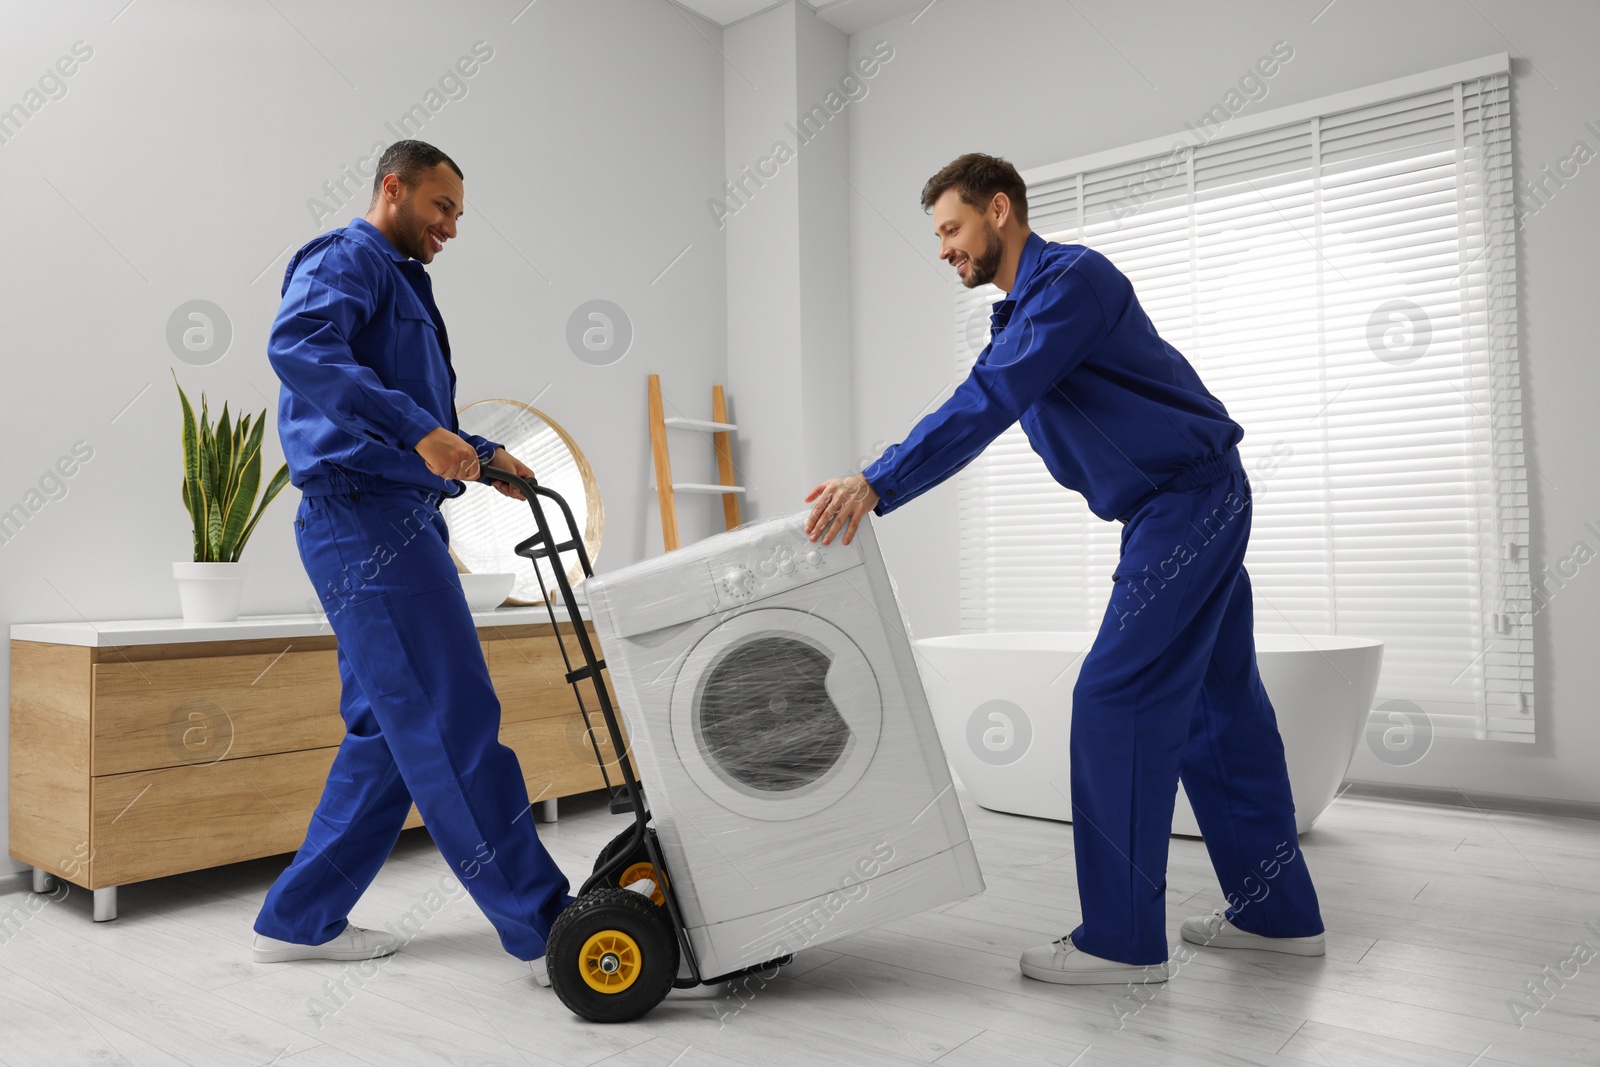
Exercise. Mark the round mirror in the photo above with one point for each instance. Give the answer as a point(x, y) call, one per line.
point(485, 526)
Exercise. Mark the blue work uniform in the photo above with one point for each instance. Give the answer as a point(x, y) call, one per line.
point(1170, 688)
point(364, 360)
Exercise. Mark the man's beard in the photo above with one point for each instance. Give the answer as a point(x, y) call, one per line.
point(985, 267)
point(410, 236)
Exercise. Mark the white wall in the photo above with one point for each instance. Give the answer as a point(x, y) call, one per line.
point(762, 233)
point(788, 243)
point(1037, 82)
point(826, 400)
point(178, 166)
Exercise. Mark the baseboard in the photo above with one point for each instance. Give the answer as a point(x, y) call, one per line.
point(1441, 796)
point(23, 879)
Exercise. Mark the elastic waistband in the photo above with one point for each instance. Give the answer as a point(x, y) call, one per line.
point(336, 481)
point(1204, 472)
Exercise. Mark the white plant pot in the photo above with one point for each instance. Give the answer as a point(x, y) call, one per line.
point(210, 592)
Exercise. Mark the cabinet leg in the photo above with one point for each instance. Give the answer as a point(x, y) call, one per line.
point(545, 810)
point(43, 880)
point(105, 904)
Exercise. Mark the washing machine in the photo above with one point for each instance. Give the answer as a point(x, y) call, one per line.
point(780, 729)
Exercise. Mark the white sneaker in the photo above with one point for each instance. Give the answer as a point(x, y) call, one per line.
point(1064, 963)
point(1213, 931)
point(353, 944)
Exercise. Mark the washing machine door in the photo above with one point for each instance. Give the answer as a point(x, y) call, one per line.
point(776, 714)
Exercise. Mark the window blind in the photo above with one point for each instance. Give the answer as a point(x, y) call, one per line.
point(1342, 276)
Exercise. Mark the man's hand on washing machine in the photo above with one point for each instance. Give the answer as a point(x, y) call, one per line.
point(507, 462)
point(841, 503)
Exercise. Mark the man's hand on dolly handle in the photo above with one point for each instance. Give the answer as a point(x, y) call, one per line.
point(451, 457)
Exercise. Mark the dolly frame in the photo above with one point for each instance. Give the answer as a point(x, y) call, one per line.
point(628, 796)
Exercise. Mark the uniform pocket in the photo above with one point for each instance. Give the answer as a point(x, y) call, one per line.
point(371, 639)
point(415, 345)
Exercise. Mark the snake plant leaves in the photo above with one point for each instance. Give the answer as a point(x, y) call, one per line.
point(221, 478)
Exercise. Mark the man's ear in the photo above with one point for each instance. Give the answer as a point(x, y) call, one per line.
point(1000, 208)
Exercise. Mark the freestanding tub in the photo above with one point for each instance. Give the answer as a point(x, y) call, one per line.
point(1003, 706)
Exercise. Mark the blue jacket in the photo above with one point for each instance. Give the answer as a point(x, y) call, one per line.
point(1114, 412)
point(364, 359)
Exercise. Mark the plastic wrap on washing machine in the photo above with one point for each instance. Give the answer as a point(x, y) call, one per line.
point(766, 719)
point(780, 729)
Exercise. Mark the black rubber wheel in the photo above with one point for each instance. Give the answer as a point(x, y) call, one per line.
point(636, 866)
point(612, 956)
point(618, 844)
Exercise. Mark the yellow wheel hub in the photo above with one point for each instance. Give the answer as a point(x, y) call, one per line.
point(644, 870)
point(610, 961)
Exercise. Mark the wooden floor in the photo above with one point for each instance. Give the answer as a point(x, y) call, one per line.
point(1438, 919)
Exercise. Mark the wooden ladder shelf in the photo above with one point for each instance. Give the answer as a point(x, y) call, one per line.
point(718, 427)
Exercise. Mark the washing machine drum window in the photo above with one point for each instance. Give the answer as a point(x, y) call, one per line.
point(776, 715)
point(765, 717)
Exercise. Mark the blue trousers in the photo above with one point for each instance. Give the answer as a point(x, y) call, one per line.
point(423, 724)
point(1170, 690)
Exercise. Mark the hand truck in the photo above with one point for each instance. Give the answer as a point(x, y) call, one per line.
point(613, 954)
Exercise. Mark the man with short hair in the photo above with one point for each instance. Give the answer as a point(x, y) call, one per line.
point(368, 424)
point(1170, 688)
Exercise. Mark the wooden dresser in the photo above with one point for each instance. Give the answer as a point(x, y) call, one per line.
point(147, 748)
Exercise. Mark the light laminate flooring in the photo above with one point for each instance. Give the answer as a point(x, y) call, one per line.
point(1438, 920)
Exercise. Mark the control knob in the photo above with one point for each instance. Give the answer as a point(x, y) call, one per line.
point(739, 582)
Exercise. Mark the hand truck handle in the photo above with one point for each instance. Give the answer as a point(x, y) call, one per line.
point(531, 490)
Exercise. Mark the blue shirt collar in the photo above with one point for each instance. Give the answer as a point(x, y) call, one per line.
point(1027, 263)
point(363, 230)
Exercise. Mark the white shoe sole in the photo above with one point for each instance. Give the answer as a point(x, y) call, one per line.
point(1316, 945)
point(1118, 975)
point(286, 953)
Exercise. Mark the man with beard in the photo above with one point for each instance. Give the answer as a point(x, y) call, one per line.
point(368, 424)
point(1170, 688)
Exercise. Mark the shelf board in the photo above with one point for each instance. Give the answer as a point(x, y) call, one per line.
point(701, 487)
point(699, 424)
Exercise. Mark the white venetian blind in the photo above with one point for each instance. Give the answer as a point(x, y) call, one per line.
point(1342, 276)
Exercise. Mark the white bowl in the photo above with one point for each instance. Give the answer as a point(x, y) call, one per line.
point(485, 592)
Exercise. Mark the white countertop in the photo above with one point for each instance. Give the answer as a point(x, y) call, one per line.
point(248, 627)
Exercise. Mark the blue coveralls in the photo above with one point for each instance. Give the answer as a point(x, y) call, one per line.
point(364, 359)
point(1169, 689)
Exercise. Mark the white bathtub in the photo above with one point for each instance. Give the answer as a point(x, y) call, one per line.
point(1003, 705)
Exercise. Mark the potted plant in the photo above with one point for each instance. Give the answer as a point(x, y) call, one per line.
point(221, 476)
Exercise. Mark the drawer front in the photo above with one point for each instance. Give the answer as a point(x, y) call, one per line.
point(148, 824)
point(557, 756)
point(530, 678)
point(153, 823)
point(193, 712)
